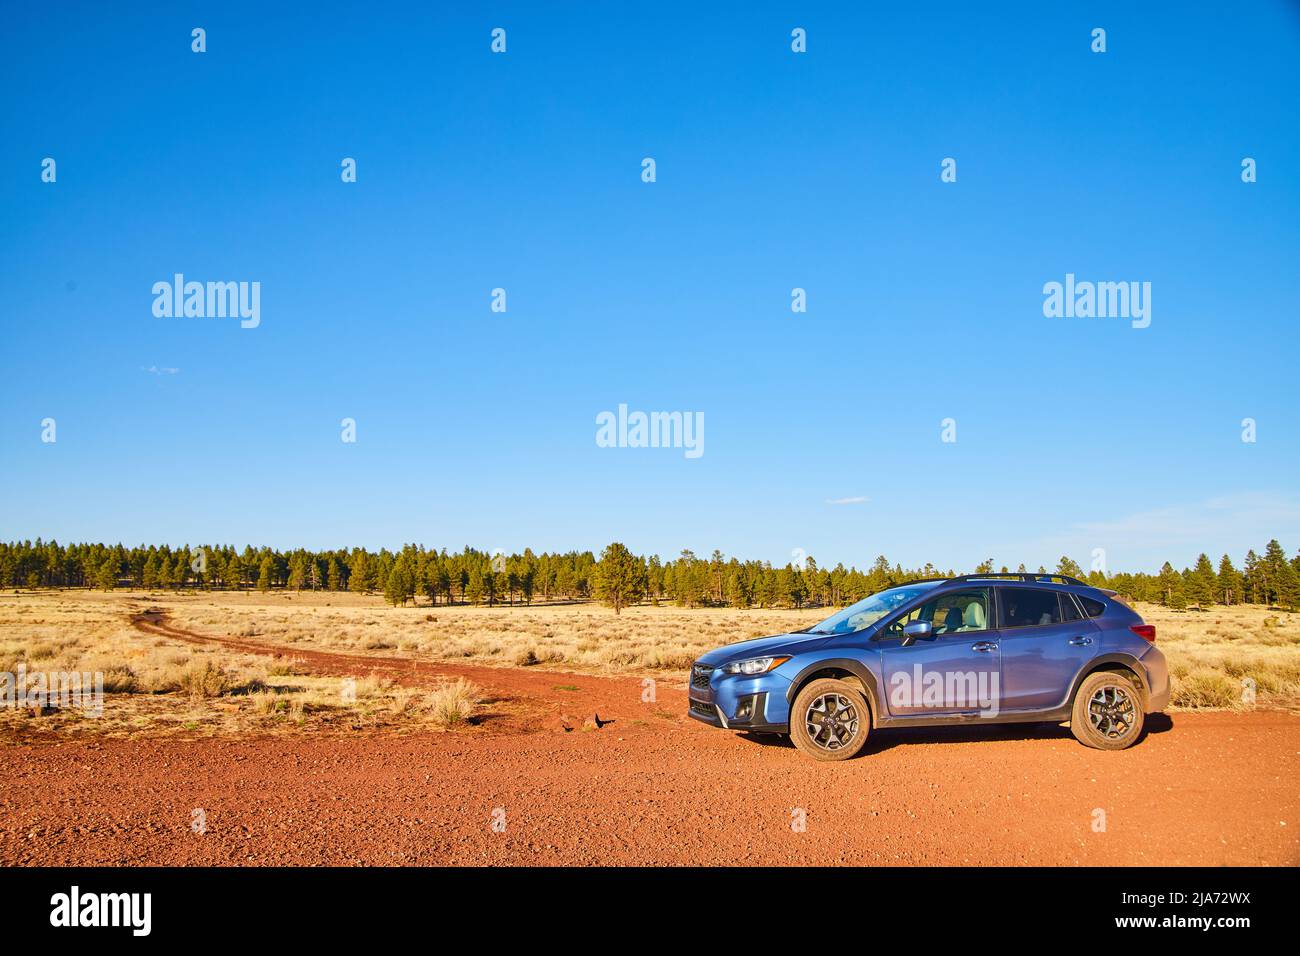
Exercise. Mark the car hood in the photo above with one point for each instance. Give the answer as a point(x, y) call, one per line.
point(762, 647)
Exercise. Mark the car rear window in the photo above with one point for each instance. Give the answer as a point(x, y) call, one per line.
point(1092, 608)
point(1028, 607)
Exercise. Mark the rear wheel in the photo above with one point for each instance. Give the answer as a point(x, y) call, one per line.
point(830, 720)
point(1107, 711)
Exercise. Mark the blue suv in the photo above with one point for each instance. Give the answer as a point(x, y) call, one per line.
point(998, 648)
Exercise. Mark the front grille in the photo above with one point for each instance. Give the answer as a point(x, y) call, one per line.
point(700, 675)
point(701, 708)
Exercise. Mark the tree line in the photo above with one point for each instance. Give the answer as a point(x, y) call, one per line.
point(618, 577)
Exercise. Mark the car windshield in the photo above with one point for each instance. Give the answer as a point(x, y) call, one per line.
point(871, 609)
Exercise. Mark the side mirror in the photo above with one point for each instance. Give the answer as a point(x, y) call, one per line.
point(917, 631)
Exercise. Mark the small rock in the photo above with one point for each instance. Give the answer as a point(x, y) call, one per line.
point(562, 724)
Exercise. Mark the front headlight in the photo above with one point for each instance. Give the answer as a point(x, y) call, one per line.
point(755, 665)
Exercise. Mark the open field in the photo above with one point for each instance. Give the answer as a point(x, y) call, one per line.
point(573, 757)
point(158, 682)
point(154, 683)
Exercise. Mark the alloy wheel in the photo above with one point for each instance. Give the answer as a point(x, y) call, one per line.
point(831, 721)
point(1111, 712)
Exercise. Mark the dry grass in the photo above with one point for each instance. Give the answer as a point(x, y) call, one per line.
point(154, 685)
point(159, 685)
point(580, 637)
point(1215, 655)
point(453, 703)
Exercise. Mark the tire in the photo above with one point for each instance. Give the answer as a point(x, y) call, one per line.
point(843, 734)
point(1107, 712)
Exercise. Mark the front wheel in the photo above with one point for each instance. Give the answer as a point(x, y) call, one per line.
point(1107, 712)
point(830, 720)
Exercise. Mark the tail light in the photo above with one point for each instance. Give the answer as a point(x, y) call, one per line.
point(1147, 631)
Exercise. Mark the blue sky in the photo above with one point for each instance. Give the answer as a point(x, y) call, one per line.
point(775, 170)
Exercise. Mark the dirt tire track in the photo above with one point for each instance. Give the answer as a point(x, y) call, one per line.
point(531, 697)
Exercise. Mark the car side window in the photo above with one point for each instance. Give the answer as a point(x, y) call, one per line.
point(1093, 608)
point(1029, 607)
point(952, 613)
point(1069, 610)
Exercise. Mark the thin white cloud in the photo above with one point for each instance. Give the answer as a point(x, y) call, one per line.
point(1201, 520)
point(855, 500)
point(156, 370)
point(1231, 523)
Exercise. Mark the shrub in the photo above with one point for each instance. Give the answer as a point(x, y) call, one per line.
point(120, 679)
point(453, 703)
point(204, 679)
point(1205, 687)
point(267, 703)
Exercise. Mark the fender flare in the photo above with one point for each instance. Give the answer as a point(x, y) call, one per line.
point(854, 667)
point(1095, 664)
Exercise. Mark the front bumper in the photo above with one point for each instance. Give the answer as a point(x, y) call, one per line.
point(737, 702)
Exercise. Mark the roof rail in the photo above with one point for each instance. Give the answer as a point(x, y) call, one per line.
point(1044, 578)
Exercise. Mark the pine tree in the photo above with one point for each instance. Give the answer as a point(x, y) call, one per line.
point(620, 577)
point(106, 577)
point(298, 571)
point(565, 580)
point(475, 588)
point(812, 580)
point(1228, 582)
point(265, 571)
point(527, 572)
point(1171, 583)
point(1253, 584)
point(1068, 566)
point(1274, 560)
point(166, 573)
point(400, 586)
point(736, 593)
point(359, 572)
point(149, 577)
point(1288, 586)
point(1202, 583)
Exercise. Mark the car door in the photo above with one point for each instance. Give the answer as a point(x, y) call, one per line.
point(955, 670)
point(1045, 640)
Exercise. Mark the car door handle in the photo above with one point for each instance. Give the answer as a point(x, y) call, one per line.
point(1081, 641)
point(984, 646)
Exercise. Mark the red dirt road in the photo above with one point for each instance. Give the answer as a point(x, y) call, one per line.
point(1203, 789)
